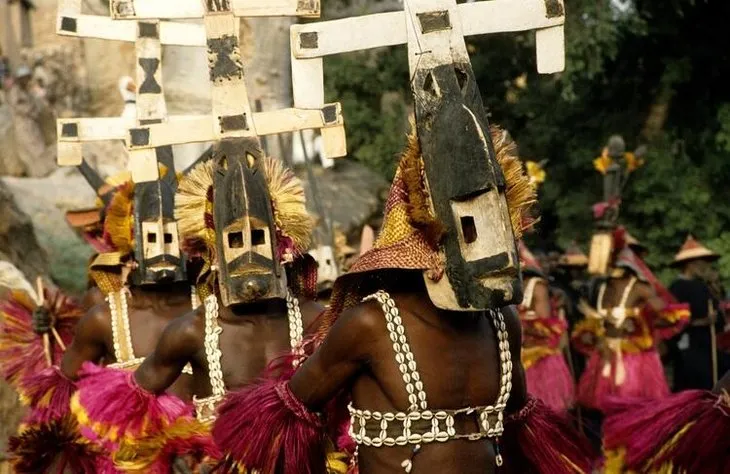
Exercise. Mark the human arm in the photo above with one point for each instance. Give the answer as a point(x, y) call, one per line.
point(311, 310)
point(88, 343)
point(92, 298)
point(541, 300)
point(181, 340)
point(262, 435)
point(344, 351)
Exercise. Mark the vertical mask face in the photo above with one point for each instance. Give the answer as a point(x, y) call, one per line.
point(245, 234)
point(467, 191)
point(157, 246)
point(327, 271)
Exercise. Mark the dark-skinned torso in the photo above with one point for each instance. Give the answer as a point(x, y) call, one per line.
point(641, 294)
point(252, 336)
point(458, 361)
point(150, 310)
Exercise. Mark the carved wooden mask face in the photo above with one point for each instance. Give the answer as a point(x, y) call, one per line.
point(248, 266)
point(467, 191)
point(327, 268)
point(157, 246)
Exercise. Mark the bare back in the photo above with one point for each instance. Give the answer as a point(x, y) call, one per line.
point(458, 361)
point(250, 338)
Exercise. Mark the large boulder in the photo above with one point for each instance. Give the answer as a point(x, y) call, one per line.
point(46, 200)
point(10, 163)
point(18, 242)
point(350, 192)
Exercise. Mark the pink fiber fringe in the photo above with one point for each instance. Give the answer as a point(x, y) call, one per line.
point(21, 350)
point(537, 440)
point(644, 428)
point(705, 447)
point(265, 426)
point(55, 447)
point(676, 313)
point(48, 394)
point(550, 380)
point(644, 379)
point(110, 401)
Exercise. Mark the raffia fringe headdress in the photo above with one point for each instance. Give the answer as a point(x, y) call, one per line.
point(194, 210)
point(409, 237)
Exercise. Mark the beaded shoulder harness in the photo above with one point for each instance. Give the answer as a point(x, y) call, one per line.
point(618, 314)
point(205, 408)
point(420, 425)
point(122, 341)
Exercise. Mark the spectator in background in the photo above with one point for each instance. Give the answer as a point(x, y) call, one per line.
point(692, 351)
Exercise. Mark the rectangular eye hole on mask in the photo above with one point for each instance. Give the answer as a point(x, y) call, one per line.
point(258, 237)
point(235, 240)
point(481, 224)
point(469, 229)
point(151, 237)
point(168, 238)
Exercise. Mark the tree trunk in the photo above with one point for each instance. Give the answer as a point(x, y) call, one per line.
point(268, 74)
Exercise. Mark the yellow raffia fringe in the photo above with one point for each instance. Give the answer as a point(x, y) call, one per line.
point(119, 222)
point(289, 203)
point(536, 173)
point(668, 468)
point(603, 162)
point(105, 431)
point(336, 463)
point(192, 203)
point(136, 456)
point(520, 193)
point(533, 355)
point(675, 315)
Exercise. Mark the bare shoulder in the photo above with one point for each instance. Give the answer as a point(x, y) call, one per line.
point(511, 319)
point(366, 318)
point(644, 289)
point(187, 331)
point(92, 298)
point(95, 324)
point(311, 310)
point(357, 331)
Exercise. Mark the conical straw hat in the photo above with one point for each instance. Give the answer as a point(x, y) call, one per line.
point(693, 250)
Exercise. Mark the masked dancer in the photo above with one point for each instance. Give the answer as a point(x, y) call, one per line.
point(244, 218)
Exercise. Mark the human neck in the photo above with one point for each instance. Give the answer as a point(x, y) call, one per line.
point(171, 294)
point(237, 312)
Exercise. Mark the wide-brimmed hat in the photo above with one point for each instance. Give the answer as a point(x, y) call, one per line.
point(692, 249)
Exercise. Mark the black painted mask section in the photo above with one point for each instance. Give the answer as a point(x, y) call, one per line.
point(467, 187)
point(157, 248)
point(248, 268)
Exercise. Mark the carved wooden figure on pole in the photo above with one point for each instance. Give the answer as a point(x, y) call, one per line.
point(232, 115)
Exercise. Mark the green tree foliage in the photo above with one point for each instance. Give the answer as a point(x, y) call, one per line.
point(657, 73)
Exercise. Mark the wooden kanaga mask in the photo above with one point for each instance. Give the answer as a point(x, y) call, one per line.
point(244, 225)
point(157, 247)
point(466, 189)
